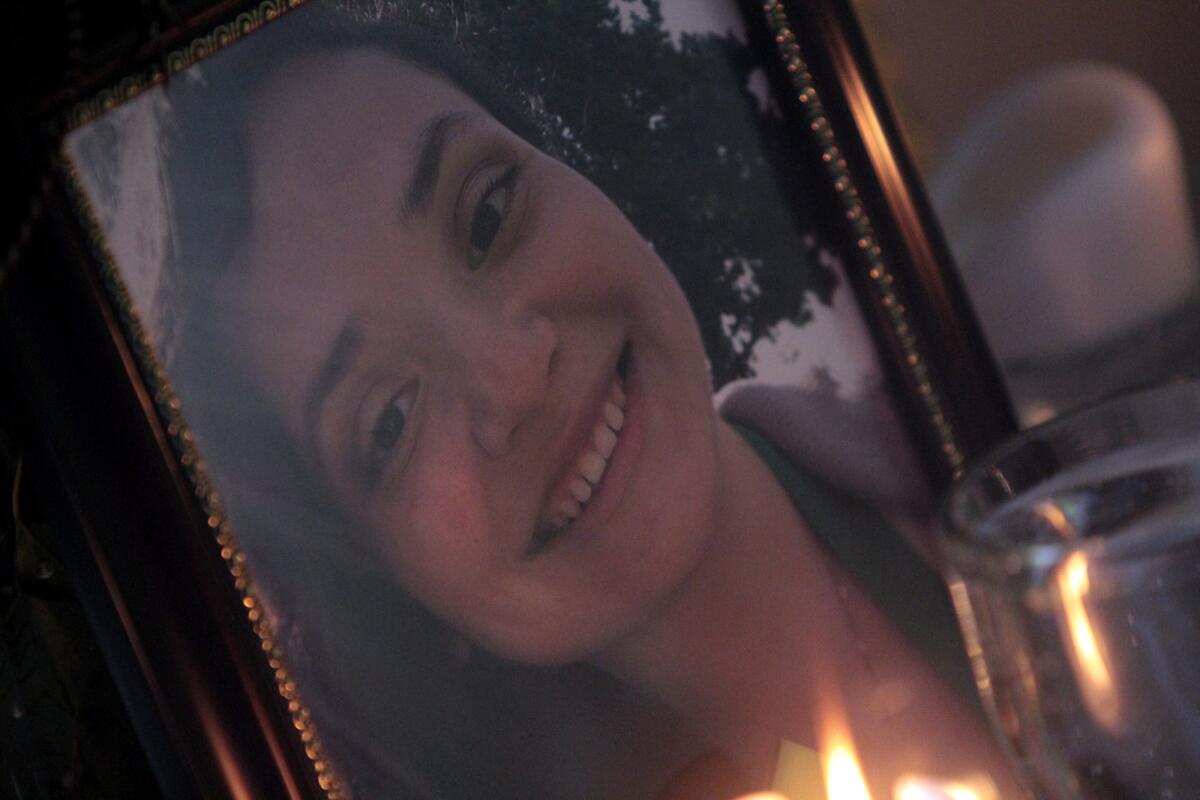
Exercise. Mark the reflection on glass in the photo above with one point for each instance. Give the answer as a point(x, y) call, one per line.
point(1078, 546)
point(1086, 653)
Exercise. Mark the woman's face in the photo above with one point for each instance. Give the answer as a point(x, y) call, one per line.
point(500, 381)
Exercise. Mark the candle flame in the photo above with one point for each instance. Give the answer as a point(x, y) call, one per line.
point(843, 773)
point(843, 776)
point(1087, 657)
point(924, 787)
point(839, 766)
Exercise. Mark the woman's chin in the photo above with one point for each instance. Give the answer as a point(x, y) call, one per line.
point(640, 536)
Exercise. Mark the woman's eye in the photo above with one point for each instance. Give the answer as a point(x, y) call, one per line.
point(489, 215)
point(388, 430)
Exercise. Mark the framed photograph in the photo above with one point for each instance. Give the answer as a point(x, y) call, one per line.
point(528, 400)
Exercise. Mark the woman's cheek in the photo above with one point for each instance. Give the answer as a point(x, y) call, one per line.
point(434, 526)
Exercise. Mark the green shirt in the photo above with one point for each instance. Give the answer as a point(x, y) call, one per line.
point(891, 572)
point(881, 561)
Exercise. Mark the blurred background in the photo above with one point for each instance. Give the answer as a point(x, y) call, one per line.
point(1060, 142)
point(941, 60)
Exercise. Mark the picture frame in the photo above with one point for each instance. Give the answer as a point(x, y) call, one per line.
point(182, 625)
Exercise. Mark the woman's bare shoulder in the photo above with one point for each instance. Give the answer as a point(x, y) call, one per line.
point(857, 443)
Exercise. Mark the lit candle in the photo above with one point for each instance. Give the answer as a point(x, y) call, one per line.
point(925, 787)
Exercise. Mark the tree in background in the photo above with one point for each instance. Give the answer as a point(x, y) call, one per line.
point(672, 133)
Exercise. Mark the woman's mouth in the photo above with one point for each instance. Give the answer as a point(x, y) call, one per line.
point(571, 498)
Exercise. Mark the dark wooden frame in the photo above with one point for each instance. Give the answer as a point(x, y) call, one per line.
point(187, 651)
point(947, 383)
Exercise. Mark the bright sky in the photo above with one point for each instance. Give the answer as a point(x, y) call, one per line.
point(690, 16)
point(834, 343)
point(700, 16)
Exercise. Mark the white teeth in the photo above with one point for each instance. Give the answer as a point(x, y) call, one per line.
point(617, 394)
point(593, 463)
point(592, 466)
point(604, 439)
point(614, 416)
point(581, 490)
point(570, 509)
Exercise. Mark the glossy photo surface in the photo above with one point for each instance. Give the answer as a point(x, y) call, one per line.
point(517, 343)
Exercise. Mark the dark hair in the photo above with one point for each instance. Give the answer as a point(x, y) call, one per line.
point(451, 728)
point(208, 162)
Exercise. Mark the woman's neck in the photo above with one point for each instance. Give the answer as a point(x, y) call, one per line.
point(736, 641)
point(768, 639)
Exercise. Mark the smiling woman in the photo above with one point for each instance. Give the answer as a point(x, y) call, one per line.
point(462, 413)
point(460, 342)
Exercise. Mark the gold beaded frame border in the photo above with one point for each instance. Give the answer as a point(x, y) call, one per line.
point(169, 407)
point(882, 280)
point(166, 402)
point(176, 61)
point(169, 410)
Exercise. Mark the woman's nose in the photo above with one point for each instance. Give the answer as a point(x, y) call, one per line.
point(511, 379)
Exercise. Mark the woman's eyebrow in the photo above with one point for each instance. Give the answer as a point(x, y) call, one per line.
point(332, 369)
point(432, 144)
